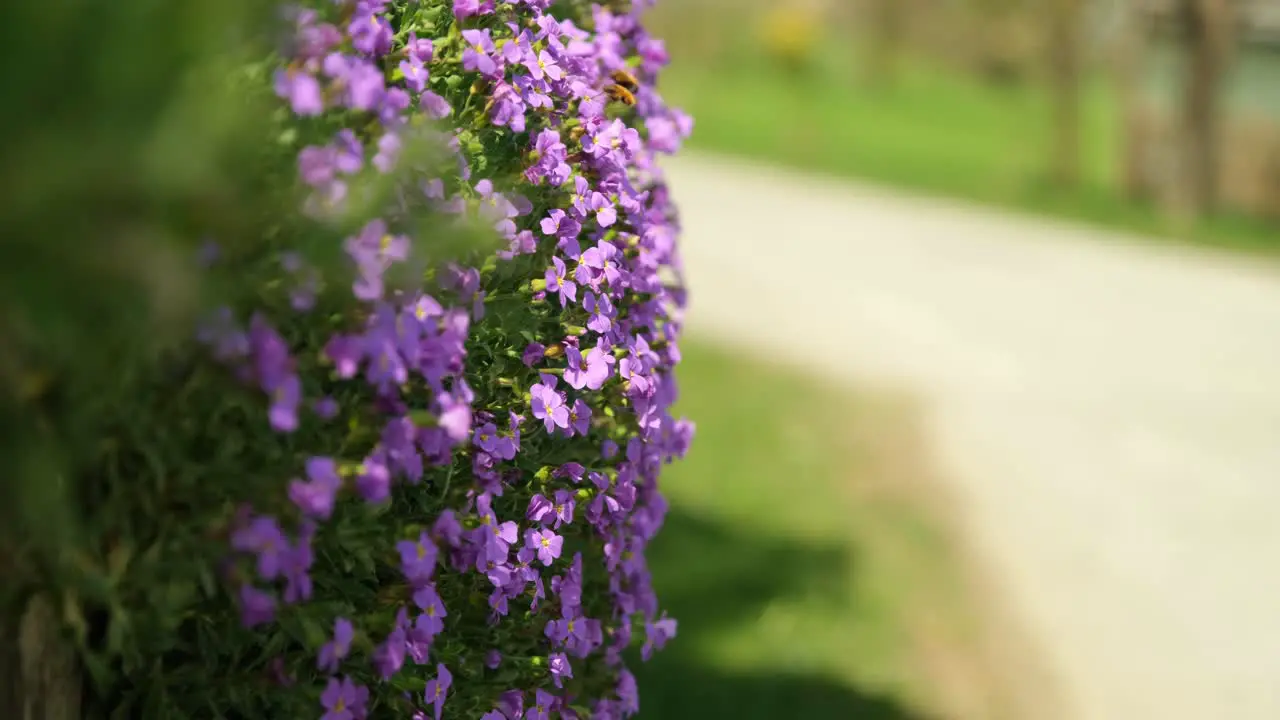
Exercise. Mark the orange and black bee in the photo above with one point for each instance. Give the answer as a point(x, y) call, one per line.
point(625, 79)
point(618, 93)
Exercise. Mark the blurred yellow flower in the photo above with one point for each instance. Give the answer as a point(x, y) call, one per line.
point(790, 32)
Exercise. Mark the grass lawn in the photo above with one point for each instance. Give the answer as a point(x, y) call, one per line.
point(805, 563)
point(936, 131)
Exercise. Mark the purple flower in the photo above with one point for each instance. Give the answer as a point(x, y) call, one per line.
point(543, 704)
point(256, 606)
point(562, 508)
point(435, 106)
point(548, 405)
point(433, 611)
point(511, 703)
point(296, 566)
point(447, 528)
point(601, 311)
point(628, 694)
point(508, 109)
point(418, 558)
point(545, 543)
point(463, 9)
point(388, 152)
point(391, 107)
point(497, 539)
point(316, 165)
point(540, 509)
point(388, 657)
point(541, 64)
point(374, 250)
point(606, 213)
point(370, 33)
point(420, 49)
point(591, 371)
point(567, 631)
point(438, 688)
point(286, 395)
point(302, 91)
point(604, 259)
point(615, 143)
point(415, 74)
point(499, 446)
point(492, 659)
point(262, 536)
point(557, 282)
point(475, 57)
point(316, 497)
point(343, 699)
point(363, 81)
point(560, 669)
point(580, 417)
point(455, 417)
point(559, 224)
point(373, 478)
point(336, 649)
point(345, 353)
point(657, 633)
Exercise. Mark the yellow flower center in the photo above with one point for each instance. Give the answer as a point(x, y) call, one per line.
point(546, 542)
point(422, 551)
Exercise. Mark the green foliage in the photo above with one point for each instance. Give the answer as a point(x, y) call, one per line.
point(137, 454)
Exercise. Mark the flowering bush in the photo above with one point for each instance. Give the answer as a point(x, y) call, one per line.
point(421, 485)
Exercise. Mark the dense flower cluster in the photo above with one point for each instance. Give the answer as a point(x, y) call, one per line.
point(495, 428)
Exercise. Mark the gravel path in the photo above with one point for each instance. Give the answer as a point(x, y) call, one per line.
point(1108, 409)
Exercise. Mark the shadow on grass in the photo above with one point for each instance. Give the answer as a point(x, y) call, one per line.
point(717, 579)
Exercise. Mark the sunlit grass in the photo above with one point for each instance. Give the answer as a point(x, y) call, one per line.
point(935, 130)
point(796, 557)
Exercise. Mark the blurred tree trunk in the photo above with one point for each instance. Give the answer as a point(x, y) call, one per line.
point(39, 675)
point(1130, 57)
point(1065, 75)
point(885, 26)
point(1206, 33)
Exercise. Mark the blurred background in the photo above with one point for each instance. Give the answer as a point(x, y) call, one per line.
point(984, 353)
point(983, 348)
point(1159, 115)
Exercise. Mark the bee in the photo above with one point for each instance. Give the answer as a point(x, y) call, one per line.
point(576, 133)
point(625, 79)
point(617, 93)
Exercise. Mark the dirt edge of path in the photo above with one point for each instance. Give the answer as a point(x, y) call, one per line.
point(962, 633)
